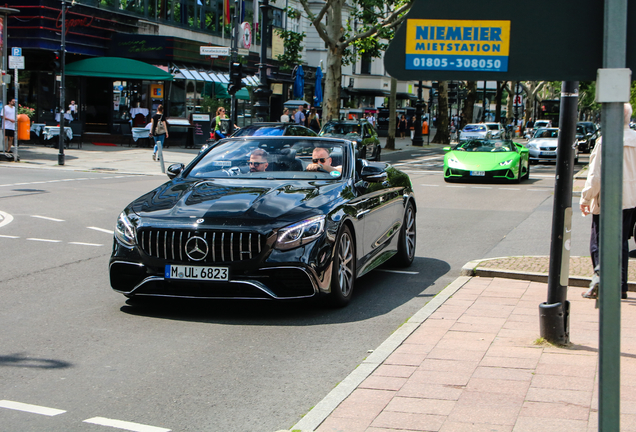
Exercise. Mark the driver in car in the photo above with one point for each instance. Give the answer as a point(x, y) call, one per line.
point(321, 160)
point(258, 161)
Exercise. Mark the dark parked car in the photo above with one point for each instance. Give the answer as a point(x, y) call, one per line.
point(582, 139)
point(360, 131)
point(227, 226)
point(592, 131)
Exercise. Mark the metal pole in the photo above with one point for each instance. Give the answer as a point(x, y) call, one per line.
point(234, 58)
point(417, 136)
point(60, 155)
point(610, 235)
point(15, 134)
point(554, 314)
point(483, 114)
point(4, 68)
point(263, 91)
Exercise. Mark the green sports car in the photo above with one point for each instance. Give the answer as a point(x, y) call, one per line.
point(486, 159)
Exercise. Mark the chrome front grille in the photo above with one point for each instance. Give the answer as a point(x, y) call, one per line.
point(223, 246)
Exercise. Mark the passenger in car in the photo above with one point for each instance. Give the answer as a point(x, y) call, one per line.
point(258, 161)
point(321, 160)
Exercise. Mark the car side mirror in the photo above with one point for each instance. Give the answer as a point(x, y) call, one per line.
point(446, 148)
point(174, 170)
point(373, 174)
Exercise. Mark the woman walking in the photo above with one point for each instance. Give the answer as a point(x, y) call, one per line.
point(403, 126)
point(314, 121)
point(159, 131)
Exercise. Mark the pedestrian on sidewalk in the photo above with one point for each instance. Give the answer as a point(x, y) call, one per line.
point(590, 200)
point(403, 126)
point(159, 131)
point(299, 116)
point(9, 124)
point(412, 127)
point(285, 117)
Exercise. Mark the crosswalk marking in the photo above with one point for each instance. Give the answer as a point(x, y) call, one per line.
point(120, 424)
point(35, 409)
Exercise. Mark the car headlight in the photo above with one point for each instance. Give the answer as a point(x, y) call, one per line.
point(300, 233)
point(533, 146)
point(506, 163)
point(453, 163)
point(125, 231)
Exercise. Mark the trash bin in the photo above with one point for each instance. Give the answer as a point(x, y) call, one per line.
point(24, 127)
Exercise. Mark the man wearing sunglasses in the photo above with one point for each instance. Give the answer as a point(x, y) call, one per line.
point(321, 160)
point(258, 161)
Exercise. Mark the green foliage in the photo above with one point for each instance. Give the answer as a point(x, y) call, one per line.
point(210, 105)
point(293, 47)
point(293, 13)
point(365, 15)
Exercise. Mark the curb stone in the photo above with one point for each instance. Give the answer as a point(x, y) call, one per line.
point(325, 407)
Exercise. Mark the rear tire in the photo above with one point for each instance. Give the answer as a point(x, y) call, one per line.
point(408, 239)
point(343, 273)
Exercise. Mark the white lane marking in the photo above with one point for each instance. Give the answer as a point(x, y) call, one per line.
point(5, 218)
point(85, 244)
point(456, 186)
point(35, 409)
point(48, 218)
point(509, 188)
point(102, 230)
point(45, 240)
point(429, 185)
point(398, 271)
point(481, 187)
point(8, 236)
point(120, 424)
point(539, 190)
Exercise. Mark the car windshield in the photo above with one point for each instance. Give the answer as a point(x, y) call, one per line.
point(493, 126)
point(260, 131)
point(486, 146)
point(589, 127)
point(580, 129)
point(539, 124)
point(340, 129)
point(270, 158)
point(474, 128)
point(547, 133)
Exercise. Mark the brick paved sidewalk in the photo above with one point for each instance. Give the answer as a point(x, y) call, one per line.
point(475, 364)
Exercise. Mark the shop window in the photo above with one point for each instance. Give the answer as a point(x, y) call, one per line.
point(121, 101)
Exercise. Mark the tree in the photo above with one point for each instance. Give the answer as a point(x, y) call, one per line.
point(471, 97)
point(390, 140)
point(377, 21)
point(441, 135)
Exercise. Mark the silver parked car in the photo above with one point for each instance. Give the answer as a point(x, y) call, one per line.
point(496, 130)
point(543, 146)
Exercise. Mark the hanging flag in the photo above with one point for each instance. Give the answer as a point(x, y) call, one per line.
point(226, 12)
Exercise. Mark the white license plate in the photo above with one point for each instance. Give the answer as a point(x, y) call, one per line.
point(197, 273)
point(478, 173)
point(548, 153)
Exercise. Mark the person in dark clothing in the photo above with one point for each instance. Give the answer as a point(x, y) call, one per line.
point(403, 126)
point(159, 131)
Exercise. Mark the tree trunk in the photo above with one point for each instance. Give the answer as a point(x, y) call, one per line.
point(390, 140)
point(471, 97)
point(441, 135)
point(333, 79)
point(500, 86)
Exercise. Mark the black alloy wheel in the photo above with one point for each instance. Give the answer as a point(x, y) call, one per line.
point(343, 271)
point(407, 240)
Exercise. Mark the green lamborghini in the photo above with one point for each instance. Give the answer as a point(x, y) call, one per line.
point(486, 159)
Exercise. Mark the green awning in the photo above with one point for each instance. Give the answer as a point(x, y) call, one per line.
point(117, 67)
point(220, 92)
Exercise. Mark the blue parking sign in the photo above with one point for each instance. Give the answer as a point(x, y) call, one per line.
point(16, 52)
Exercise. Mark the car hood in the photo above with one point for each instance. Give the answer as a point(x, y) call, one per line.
point(237, 202)
point(544, 141)
point(482, 160)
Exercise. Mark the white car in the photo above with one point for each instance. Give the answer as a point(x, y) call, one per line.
point(542, 147)
point(474, 131)
point(496, 130)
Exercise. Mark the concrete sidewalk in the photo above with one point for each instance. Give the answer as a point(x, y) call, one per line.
point(472, 360)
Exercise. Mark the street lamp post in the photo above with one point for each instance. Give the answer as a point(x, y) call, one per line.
point(263, 91)
point(417, 136)
point(60, 155)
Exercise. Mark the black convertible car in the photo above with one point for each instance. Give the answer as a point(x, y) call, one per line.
point(265, 218)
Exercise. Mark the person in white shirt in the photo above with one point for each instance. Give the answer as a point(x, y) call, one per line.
point(285, 117)
point(9, 123)
point(73, 109)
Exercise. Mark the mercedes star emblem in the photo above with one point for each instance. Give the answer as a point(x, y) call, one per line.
point(199, 221)
point(196, 248)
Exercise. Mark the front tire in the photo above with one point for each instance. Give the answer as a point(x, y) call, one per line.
point(407, 240)
point(343, 273)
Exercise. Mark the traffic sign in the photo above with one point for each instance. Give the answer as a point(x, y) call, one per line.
point(16, 62)
point(214, 51)
point(243, 52)
point(17, 52)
